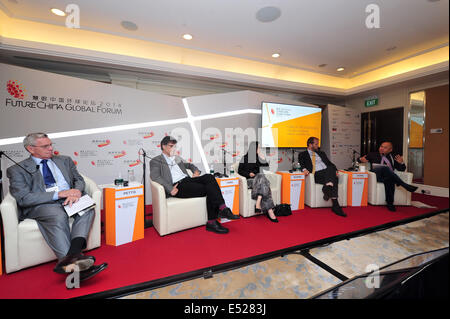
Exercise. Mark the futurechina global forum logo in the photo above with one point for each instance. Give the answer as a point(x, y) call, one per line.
point(15, 89)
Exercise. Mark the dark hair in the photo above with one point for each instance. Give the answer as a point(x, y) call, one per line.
point(166, 140)
point(311, 140)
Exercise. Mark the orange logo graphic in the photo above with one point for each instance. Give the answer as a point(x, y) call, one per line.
point(123, 153)
point(15, 89)
point(151, 134)
point(107, 142)
point(135, 163)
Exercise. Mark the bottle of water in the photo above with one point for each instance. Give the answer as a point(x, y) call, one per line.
point(131, 177)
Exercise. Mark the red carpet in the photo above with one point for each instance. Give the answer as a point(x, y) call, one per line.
point(156, 257)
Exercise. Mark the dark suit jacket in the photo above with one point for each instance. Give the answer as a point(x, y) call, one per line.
point(160, 171)
point(29, 188)
point(375, 157)
point(305, 160)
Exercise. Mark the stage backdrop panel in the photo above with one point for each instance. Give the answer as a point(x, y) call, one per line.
point(233, 133)
point(42, 101)
point(33, 101)
point(341, 134)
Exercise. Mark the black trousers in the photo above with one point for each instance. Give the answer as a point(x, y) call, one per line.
point(386, 176)
point(325, 176)
point(205, 185)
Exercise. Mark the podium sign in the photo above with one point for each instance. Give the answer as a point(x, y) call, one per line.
point(293, 189)
point(230, 193)
point(124, 214)
point(357, 188)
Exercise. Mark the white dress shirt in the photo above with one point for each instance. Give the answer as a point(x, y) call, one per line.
point(175, 170)
point(320, 165)
point(57, 175)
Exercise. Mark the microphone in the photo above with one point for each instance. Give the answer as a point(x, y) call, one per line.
point(4, 154)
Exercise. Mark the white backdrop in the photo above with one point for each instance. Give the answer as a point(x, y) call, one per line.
point(54, 103)
point(341, 133)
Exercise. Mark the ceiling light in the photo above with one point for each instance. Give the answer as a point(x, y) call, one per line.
point(340, 69)
point(187, 36)
point(58, 12)
point(275, 55)
point(322, 65)
point(268, 14)
point(131, 26)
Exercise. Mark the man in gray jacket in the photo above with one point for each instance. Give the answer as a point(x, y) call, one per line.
point(170, 171)
point(42, 184)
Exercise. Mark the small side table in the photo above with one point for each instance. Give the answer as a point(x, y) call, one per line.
point(124, 213)
point(357, 188)
point(293, 189)
point(230, 192)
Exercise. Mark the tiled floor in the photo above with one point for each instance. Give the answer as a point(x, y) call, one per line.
point(293, 276)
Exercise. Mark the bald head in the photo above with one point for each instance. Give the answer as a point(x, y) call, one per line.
point(385, 148)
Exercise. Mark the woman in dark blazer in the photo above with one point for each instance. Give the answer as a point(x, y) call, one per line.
point(249, 167)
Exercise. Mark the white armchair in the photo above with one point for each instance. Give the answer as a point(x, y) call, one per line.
point(175, 214)
point(377, 195)
point(246, 203)
point(24, 244)
point(314, 194)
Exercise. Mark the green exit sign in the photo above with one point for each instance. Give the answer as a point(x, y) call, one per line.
point(371, 101)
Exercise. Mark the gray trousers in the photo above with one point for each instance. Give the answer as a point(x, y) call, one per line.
point(54, 225)
point(261, 187)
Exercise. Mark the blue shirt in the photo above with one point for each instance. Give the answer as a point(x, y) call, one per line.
point(59, 177)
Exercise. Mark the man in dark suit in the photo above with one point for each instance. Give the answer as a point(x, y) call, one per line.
point(169, 170)
point(385, 171)
point(42, 184)
point(314, 161)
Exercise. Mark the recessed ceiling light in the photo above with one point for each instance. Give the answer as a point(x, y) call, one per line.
point(131, 26)
point(275, 55)
point(187, 36)
point(268, 14)
point(58, 12)
point(340, 69)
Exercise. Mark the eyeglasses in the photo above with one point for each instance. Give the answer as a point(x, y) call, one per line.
point(45, 146)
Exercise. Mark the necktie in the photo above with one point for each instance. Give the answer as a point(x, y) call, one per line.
point(47, 174)
point(313, 159)
point(384, 160)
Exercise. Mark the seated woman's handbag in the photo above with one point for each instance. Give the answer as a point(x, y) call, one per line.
point(282, 210)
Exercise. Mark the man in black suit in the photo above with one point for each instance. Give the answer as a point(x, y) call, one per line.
point(313, 161)
point(385, 172)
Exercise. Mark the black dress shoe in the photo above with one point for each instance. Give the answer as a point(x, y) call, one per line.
point(227, 213)
point(216, 227)
point(391, 207)
point(91, 272)
point(338, 211)
point(257, 210)
point(72, 263)
point(273, 220)
point(411, 188)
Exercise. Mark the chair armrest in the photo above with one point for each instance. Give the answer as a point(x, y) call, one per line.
point(9, 211)
point(91, 188)
point(407, 177)
point(343, 179)
point(274, 179)
point(159, 206)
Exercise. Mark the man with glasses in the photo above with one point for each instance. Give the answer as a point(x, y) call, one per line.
point(169, 170)
point(42, 184)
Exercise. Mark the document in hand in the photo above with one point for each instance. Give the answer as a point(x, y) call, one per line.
point(81, 206)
